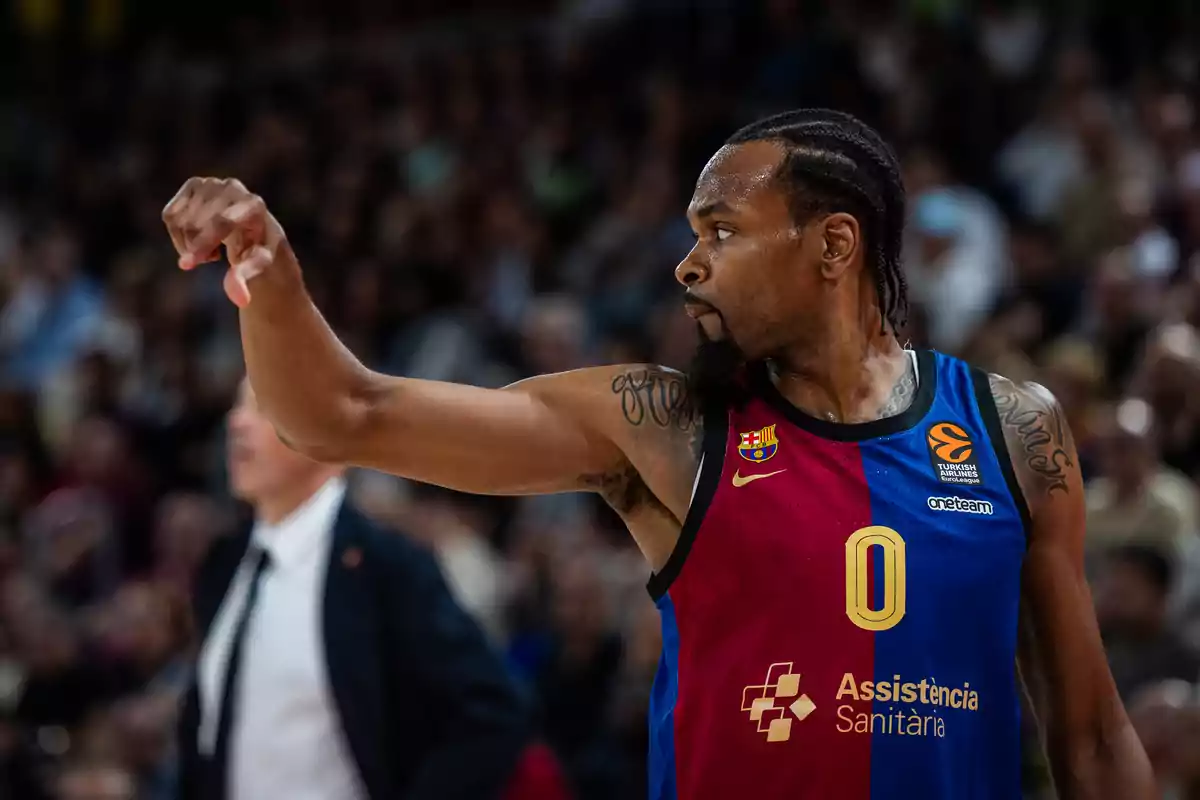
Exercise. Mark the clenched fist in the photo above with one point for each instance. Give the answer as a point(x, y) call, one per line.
point(209, 212)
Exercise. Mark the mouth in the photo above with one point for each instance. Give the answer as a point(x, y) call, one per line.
point(697, 310)
point(708, 320)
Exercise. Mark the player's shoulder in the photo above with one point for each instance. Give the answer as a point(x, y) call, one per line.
point(647, 413)
point(1017, 401)
point(1023, 396)
point(1037, 436)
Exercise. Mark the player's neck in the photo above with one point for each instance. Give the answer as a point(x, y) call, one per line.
point(849, 377)
point(280, 505)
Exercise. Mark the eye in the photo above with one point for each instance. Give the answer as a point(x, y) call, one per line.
point(723, 234)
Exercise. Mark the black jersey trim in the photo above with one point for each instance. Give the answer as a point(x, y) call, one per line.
point(986, 402)
point(927, 374)
point(716, 438)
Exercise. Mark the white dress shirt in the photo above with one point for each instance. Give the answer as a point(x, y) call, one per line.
point(287, 740)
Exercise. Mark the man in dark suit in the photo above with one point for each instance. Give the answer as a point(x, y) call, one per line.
point(334, 664)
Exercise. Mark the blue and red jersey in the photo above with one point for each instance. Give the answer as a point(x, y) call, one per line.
point(840, 614)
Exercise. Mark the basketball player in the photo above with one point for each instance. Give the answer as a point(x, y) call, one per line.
point(854, 545)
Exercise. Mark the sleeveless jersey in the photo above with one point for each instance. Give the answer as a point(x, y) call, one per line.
point(840, 614)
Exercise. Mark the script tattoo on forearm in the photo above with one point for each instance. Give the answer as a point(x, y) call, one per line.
point(656, 396)
point(1034, 420)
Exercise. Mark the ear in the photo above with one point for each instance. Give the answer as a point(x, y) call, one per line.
point(842, 239)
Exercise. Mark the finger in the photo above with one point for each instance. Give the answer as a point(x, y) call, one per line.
point(244, 215)
point(173, 211)
point(243, 221)
point(205, 245)
point(254, 264)
point(186, 215)
point(245, 212)
point(237, 279)
point(188, 226)
point(236, 288)
point(187, 261)
point(204, 207)
point(176, 203)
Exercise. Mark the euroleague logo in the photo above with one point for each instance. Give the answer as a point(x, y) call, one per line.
point(952, 451)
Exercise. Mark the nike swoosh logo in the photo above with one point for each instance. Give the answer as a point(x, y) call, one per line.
point(739, 481)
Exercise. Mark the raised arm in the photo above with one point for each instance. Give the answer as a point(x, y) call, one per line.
point(627, 432)
point(1093, 750)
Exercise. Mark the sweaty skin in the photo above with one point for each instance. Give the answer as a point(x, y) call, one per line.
point(632, 434)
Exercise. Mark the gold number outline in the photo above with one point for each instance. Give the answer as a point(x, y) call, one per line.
point(895, 578)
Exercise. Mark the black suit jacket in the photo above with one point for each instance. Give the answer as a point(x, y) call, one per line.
point(427, 706)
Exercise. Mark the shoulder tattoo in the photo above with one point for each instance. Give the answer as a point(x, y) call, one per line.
point(1036, 431)
point(655, 396)
point(654, 399)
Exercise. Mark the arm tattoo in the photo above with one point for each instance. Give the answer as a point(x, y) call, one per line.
point(657, 396)
point(661, 397)
point(1034, 421)
point(658, 399)
point(623, 489)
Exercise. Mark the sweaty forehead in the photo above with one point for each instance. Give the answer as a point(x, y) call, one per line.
point(736, 173)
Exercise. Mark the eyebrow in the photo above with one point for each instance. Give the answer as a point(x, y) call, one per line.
point(719, 207)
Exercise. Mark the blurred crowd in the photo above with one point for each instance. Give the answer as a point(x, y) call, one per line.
point(479, 198)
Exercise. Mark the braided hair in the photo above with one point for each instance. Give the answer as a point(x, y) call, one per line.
point(835, 162)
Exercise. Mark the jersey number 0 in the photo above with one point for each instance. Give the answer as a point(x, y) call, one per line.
point(858, 567)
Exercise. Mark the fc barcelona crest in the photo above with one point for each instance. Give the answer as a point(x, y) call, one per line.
point(758, 446)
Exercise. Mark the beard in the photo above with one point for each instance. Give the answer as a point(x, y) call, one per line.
point(717, 375)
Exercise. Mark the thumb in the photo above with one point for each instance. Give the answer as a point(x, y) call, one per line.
point(237, 279)
point(236, 288)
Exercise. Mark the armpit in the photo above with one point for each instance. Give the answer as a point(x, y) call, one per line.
point(623, 489)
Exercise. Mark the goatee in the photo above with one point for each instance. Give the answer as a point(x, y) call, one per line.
point(717, 375)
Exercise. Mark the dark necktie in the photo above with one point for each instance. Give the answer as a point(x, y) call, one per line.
point(219, 764)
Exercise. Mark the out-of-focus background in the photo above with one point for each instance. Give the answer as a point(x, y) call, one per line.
point(482, 195)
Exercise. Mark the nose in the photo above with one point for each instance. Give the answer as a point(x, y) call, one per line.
point(690, 270)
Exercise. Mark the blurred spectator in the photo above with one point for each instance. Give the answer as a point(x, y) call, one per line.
point(1046, 157)
point(958, 261)
point(1169, 377)
point(60, 685)
point(1131, 591)
point(51, 313)
point(1153, 252)
point(1137, 500)
point(578, 675)
point(97, 781)
point(1091, 209)
point(186, 526)
point(1166, 717)
point(1118, 317)
point(474, 572)
point(1071, 369)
